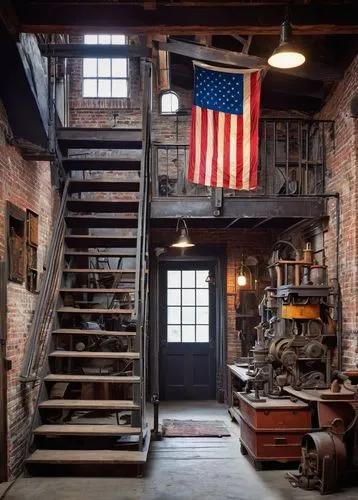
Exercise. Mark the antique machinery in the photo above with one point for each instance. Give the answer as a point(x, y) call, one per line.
point(296, 333)
point(324, 454)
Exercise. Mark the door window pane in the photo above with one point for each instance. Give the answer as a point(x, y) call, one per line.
point(173, 333)
point(187, 306)
point(202, 315)
point(202, 333)
point(174, 315)
point(174, 279)
point(188, 297)
point(200, 279)
point(174, 297)
point(188, 333)
point(188, 279)
point(188, 315)
point(202, 297)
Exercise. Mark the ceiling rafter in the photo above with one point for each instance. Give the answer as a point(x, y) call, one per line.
point(244, 18)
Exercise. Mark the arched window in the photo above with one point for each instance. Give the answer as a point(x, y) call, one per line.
point(169, 103)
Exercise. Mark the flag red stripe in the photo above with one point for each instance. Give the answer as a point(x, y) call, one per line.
point(214, 166)
point(239, 151)
point(193, 146)
point(226, 159)
point(204, 139)
point(255, 110)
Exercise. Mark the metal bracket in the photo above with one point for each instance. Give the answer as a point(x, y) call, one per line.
point(217, 201)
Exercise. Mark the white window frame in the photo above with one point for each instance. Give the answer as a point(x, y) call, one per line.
point(104, 85)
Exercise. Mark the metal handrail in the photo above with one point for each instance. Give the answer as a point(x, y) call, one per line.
point(43, 317)
point(142, 238)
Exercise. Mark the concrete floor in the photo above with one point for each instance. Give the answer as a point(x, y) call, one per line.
point(179, 469)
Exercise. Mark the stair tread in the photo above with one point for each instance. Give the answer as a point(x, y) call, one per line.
point(97, 290)
point(89, 404)
point(102, 138)
point(84, 429)
point(57, 377)
point(94, 185)
point(98, 163)
point(97, 237)
point(123, 253)
point(118, 221)
point(109, 206)
point(75, 331)
point(94, 310)
point(98, 271)
point(89, 241)
point(94, 355)
point(88, 457)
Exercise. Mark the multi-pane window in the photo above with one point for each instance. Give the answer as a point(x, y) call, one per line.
point(187, 306)
point(105, 77)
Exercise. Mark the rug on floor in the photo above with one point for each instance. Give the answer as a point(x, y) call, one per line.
point(194, 428)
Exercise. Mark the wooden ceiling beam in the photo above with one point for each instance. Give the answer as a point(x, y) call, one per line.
point(311, 70)
point(247, 19)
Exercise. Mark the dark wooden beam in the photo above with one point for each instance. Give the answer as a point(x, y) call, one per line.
point(257, 207)
point(8, 17)
point(310, 70)
point(88, 50)
point(244, 18)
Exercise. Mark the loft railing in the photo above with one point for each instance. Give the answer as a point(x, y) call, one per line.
point(292, 162)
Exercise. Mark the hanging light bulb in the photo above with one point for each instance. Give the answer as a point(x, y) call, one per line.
point(287, 54)
point(183, 240)
point(241, 279)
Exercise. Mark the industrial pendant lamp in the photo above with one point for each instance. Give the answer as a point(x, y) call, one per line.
point(287, 54)
point(183, 240)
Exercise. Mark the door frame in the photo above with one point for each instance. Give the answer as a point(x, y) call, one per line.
point(216, 256)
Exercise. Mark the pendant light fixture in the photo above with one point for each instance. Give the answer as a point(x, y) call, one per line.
point(287, 54)
point(183, 240)
point(241, 278)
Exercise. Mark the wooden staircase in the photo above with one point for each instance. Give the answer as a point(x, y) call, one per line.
point(91, 405)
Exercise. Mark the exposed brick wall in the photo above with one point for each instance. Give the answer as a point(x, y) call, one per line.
point(28, 186)
point(342, 178)
point(238, 242)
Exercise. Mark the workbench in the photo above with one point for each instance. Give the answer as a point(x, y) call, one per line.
point(237, 378)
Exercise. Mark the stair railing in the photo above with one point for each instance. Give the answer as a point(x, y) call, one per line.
point(141, 283)
point(39, 334)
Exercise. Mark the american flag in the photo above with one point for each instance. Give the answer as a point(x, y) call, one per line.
point(224, 128)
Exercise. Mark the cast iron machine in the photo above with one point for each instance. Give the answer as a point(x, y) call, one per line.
point(296, 333)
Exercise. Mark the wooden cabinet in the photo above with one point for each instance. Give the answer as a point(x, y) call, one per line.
point(272, 430)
